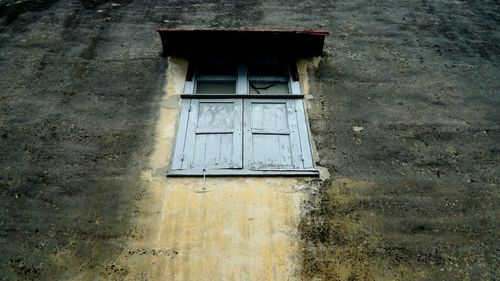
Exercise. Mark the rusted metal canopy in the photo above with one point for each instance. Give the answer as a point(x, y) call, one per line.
point(282, 43)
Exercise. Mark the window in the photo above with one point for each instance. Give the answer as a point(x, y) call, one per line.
point(242, 118)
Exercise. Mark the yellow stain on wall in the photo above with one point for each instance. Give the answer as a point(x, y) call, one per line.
point(228, 229)
point(232, 228)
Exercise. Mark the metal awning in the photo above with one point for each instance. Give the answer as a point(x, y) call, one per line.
point(237, 43)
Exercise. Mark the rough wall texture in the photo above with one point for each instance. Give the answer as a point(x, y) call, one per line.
point(413, 194)
point(77, 113)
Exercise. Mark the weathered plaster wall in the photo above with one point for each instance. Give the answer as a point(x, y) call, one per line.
point(405, 116)
point(412, 195)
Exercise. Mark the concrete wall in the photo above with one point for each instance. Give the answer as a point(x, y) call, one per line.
point(403, 109)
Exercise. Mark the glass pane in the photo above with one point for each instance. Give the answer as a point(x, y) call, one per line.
point(271, 68)
point(269, 88)
point(217, 69)
point(216, 87)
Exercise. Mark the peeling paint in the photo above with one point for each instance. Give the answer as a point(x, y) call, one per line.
point(304, 66)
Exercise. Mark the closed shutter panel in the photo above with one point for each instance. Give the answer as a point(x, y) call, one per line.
point(305, 146)
point(214, 135)
point(271, 135)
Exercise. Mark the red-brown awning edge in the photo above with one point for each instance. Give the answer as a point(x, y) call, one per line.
point(242, 43)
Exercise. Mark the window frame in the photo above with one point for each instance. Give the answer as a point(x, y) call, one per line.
point(242, 85)
point(294, 103)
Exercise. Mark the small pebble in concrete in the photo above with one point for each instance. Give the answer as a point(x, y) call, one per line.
point(357, 129)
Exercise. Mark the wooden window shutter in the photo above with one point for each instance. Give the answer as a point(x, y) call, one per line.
point(213, 135)
point(271, 135)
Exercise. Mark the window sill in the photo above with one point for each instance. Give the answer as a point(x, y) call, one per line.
point(238, 172)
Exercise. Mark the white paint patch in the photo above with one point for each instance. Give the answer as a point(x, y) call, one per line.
point(357, 129)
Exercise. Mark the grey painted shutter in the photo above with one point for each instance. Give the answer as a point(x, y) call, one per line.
point(180, 140)
point(213, 135)
point(271, 135)
point(305, 145)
